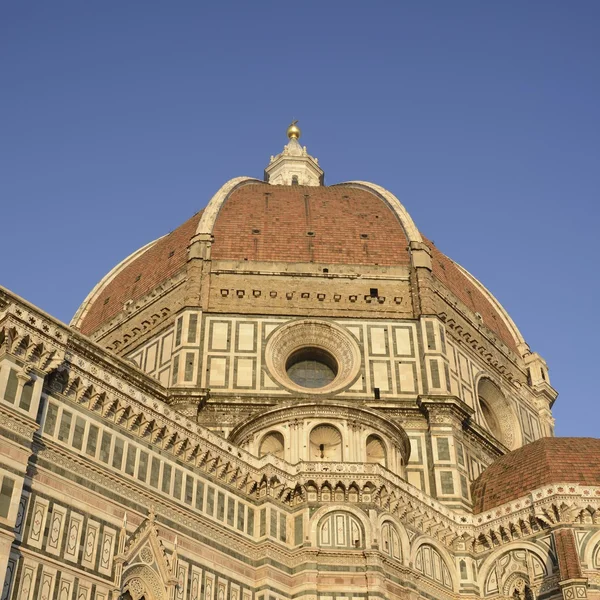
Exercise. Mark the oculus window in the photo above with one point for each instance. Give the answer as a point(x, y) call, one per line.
point(311, 368)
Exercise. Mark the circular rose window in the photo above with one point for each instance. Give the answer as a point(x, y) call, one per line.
point(311, 368)
point(313, 357)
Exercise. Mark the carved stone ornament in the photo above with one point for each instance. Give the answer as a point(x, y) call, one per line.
point(321, 335)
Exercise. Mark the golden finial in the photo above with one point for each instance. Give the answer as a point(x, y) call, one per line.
point(293, 131)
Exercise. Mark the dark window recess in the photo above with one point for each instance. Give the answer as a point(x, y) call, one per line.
point(6, 492)
point(230, 511)
point(310, 233)
point(447, 482)
point(92, 441)
point(154, 472)
point(50, 422)
point(166, 479)
point(464, 488)
point(178, 331)
point(256, 231)
point(10, 393)
point(105, 446)
point(106, 300)
point(26, 394)
point(189, 366)
point(221, 506)
point(64, 428)
point(263, 521)
point(175, 370)
point(210, 500)
point(325, 270)
point(273, 525)
point(377, 393)
point(294, 179)
point(240, 516)
point(130, 460)
point(193, 327)
point(78, 433)
point(250, 521)
point(364, 236)
point(143, 466)
point(430, 336)
point(435, 373)
point(374, 292)
point(199, 495)
point(138, 277)
point(282, 527)
point(177, 484)
point(460, 455)
point(189, 489)
point(172, 254)
point(443, 448)
point(117, 460)
point(443, 339)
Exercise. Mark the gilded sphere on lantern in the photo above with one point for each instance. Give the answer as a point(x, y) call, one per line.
point(293, 131)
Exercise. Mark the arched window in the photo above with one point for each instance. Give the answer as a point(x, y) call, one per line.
point(273, 443)
point(340, 530)
point(325, 443)
point(390, 541)
point(430, 563)
point(375, 450)
point(294, 179)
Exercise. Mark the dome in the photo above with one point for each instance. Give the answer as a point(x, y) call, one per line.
point(355, 225)
point(543, 462)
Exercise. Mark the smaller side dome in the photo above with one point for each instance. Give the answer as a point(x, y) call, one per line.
point(543, 462)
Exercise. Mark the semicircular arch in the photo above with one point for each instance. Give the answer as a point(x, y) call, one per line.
point(404, 539)
point(316, 518)
point(491, 560)
point(425, 540)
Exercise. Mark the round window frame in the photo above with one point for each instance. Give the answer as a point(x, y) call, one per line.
point(305, 334)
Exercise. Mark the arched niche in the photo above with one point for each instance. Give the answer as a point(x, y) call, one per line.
point(325, 443)
point(272, 443)
point(497, 414)
point(375, 450)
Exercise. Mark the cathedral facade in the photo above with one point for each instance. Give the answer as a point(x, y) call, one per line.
point(293, 395)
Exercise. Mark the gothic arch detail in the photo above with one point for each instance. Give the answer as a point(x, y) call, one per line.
point(141, 581)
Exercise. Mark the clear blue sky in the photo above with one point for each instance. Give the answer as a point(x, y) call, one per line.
point(120, 119)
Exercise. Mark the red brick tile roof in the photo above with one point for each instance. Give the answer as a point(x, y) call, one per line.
point(543, 462)
point(157, 264)
point(335, 225)
point(327, 225)
point(462, 287)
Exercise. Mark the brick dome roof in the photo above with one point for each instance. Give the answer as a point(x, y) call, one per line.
point(543, 462)
point(341, 224)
